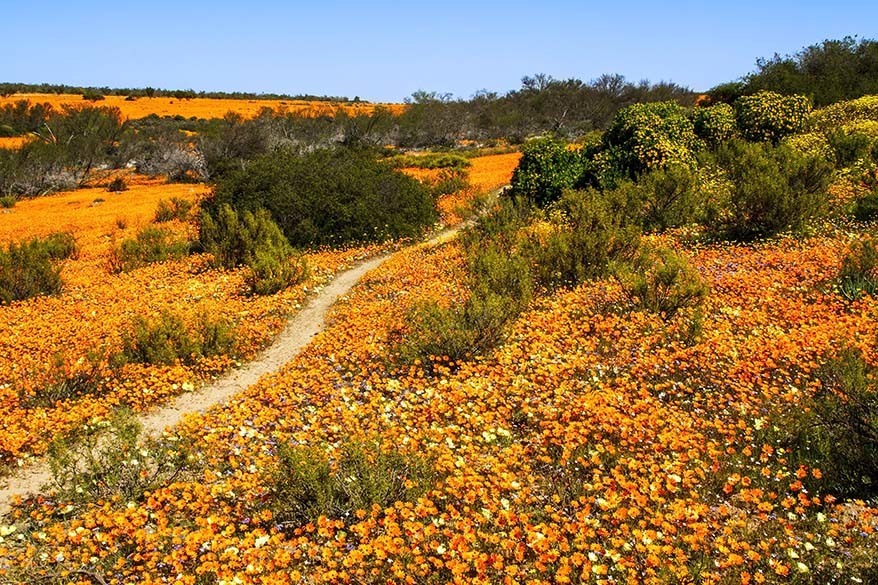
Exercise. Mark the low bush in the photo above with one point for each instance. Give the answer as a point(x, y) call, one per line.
point(166, 339)
point(109, 460)
point(64, 382)
point(177, 209)
point(865, 207)
point(253, 240)
point(849, 148)
point(328, 196)
point(770, 116)
point(662, 282)
point(314, 482)
point(450, 180)
point(858, 274)
point(670, 197)
point(772, 188)
point(588, 230)
point(29, 269)
point(151, 244)
point(430, 161)
point(500, 288)
point(117, 185)
point(8, 201)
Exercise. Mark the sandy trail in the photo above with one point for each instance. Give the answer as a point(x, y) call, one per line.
point(292, 340)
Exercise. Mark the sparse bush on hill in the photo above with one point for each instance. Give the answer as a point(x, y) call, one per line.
point(314, 482)
point(329, 196)
point(29, 269)
point(151, 244)
point(165, 339)
point(117, 185)
point(769, 117)
point(661, 281)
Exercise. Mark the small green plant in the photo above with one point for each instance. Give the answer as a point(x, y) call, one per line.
point(108, 459)
point(866, 206)
point(314, 482)
point(166, 339)
point(177, 208)
point(151, 244)
point(450, 180)
point(661, 281)
point(8, 201)
point(253, 240)
point(68, 382)
point(437, 160)
point(859, 270)
point(117, 185)
point(29, 269)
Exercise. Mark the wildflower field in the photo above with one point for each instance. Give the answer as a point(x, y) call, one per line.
point(627, 368)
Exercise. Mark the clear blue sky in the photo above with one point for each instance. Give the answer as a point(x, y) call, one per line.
point(384, 51)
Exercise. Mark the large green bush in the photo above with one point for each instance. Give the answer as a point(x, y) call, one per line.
point(769, 116)
point(772, 188)
point(329, 196)
point(546, 168)
point(166, 339)
point(661, 281)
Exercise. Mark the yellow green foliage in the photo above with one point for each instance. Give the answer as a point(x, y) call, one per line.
point(770, 116)
point(852, 112)
point(811, 144)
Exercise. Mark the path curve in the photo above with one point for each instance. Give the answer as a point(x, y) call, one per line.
point(297, 333)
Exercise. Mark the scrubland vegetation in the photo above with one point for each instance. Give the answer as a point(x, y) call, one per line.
point(650, 360)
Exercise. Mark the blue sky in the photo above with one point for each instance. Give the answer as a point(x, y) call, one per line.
point(384, 51)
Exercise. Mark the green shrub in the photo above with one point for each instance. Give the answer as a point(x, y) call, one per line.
point(835, 430)
point(588, 232)
point(770, 116)
point(310, 482)
point(838, 115)
point(92, 95)
point(60, 246)
point(715, 124)
point(29, 269)
point(662, 282)
point(177, 208)
point(165, 339)
point(108, 459)
point(8, 201)
point(117, 185)
point(772, 188)
point(151, 244)
point(450, 180)
point(500, 288)
point(329, 196)
point(546, 168)
point(851, 147)
point(669, 197)
point(858, 274)
point(63, 382)
point(252, 240)
point(430, 161)
point(646, 136)
point(866, 206)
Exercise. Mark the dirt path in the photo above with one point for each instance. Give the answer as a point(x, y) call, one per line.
point(294, 337)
